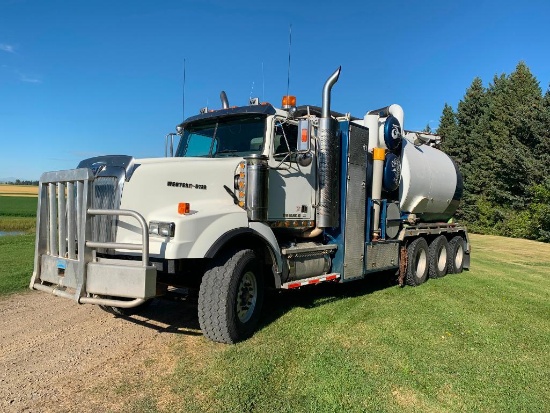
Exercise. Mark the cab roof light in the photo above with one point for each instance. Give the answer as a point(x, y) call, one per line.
point(289, 101)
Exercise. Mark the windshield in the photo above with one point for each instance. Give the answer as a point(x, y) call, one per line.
point(217, 138)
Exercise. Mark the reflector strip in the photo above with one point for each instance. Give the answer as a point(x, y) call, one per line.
point(310, 281)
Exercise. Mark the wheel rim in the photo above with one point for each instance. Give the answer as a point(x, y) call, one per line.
point(442, 259)
point(459, 256)
point(247, 294)
point(420, 264)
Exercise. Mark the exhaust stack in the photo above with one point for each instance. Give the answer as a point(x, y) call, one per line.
point(225, 102)
point(328, 161)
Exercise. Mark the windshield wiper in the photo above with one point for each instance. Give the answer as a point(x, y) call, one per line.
point(227, 151)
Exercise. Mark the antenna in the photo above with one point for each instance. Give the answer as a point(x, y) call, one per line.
point(183, 92)
point(263, 83)
point(289, 47)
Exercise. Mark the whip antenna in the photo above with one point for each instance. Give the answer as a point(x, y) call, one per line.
point(263, 83)
point(183, 92)
point(289, 48)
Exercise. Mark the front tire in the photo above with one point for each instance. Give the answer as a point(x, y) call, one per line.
point(231, 296)
point(417, 262)
point(125, 312)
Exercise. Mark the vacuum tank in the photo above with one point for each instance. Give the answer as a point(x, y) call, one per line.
point(431, 184)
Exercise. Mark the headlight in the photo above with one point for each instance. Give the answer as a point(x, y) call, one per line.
point(164, 229)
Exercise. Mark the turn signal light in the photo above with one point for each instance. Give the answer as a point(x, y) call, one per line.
point(184, 208)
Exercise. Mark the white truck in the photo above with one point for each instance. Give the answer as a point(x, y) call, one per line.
point(253, 197)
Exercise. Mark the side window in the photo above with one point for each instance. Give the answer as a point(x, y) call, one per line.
point(284, 139)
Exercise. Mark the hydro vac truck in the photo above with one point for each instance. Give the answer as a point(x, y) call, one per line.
point(253, 197)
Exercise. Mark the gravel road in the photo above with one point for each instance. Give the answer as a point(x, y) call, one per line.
point(57, 356)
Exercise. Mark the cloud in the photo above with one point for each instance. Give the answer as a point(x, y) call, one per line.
point(29, 79)
point(7, 47)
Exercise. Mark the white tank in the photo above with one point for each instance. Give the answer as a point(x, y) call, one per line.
point(431, 185)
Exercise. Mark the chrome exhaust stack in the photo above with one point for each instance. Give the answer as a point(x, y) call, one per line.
point(328, 161)
point(225, 102)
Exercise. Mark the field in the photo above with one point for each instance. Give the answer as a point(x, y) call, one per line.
point(18, 207)
point(478, 341)
point(17, 213)
point(18, 190)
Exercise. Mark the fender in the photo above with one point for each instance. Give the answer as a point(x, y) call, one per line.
point(255, 229)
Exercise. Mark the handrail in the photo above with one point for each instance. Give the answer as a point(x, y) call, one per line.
point(144, 247)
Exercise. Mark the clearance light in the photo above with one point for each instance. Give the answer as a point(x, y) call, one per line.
point(289, 101)
point(164, 229)
point(240, 184)
point(184, 208)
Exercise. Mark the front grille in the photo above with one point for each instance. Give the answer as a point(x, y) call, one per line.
point(105, 195)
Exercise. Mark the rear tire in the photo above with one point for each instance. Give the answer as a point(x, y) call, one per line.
point(455, 258)
point(231, 296)
point(417, 262)
point(438, 257)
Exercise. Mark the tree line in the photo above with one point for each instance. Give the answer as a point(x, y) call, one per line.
point(21, 182)
point(499, 135)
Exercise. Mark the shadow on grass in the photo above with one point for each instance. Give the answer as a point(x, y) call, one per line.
point(279, 302)
point(177, 313)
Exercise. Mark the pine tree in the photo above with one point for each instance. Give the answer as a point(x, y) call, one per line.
point(447, 129)
point(500, 137)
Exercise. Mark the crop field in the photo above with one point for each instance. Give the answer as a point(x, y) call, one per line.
point(18, 213)
point(18, 190)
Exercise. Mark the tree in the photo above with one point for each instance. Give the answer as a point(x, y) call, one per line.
point(500, 137)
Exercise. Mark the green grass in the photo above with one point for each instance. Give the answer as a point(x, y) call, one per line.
point(18, 206)
point(478, 342)
point(16, 262)
point(23, 224)
point(16, 251)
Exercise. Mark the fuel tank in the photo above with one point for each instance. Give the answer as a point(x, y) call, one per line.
point(431, 185)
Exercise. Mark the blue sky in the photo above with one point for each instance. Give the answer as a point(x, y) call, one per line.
point(86, 78)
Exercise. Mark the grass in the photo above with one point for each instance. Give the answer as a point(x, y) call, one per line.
point(478, 341)
point(16, 262)
point(18, 206)
point(17, 213)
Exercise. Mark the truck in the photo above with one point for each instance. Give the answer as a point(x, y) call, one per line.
point(250, 198)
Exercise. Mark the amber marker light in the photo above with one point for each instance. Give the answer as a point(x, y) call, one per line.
point(184, 208)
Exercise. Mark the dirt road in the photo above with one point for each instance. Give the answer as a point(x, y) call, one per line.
point(58, 356)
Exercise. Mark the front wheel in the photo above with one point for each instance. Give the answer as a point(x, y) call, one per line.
point(231, 296)
point(124, 312)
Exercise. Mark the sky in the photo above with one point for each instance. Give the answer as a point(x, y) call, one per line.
point(88, 78)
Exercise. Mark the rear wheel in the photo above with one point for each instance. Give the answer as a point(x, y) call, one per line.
point(437, 256)
point(417, 262)
point(231, 296)
point(455, 259)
